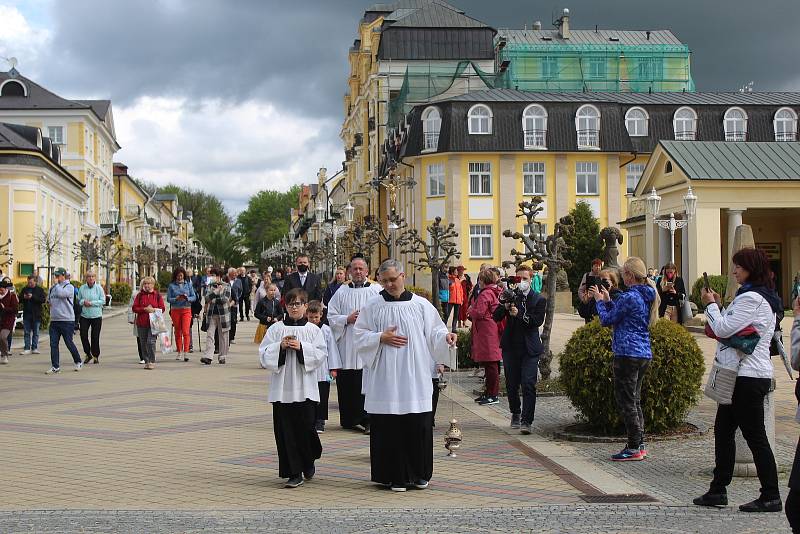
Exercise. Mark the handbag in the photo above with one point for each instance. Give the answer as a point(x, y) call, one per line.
point(745, 340)
point(720, 384)
point(204, 323)
point(686, 311)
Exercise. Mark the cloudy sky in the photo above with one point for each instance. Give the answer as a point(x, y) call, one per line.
point(234, 96)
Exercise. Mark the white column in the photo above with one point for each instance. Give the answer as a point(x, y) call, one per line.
point(734, 220)
point(664, 242)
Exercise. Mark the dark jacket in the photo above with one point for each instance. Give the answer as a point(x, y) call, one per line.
point(671, 299)
point(330, 291)
point(32, 307)
point(268, 311)
point(8, 311)
point(236, 291)
point(630, 317)
point(247, 285)
point(313, 285)
point(522, 332)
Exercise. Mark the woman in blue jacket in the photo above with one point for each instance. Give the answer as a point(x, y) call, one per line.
point(630, 314)
point(181, 295)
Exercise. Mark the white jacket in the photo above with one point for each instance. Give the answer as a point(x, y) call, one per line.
point(747, 309)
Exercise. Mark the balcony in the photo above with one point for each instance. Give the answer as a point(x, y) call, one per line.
point(536, 139)
point(685, 135)
point(736, 136)
point(431, 141)
point(589, 139)
point(785, 136)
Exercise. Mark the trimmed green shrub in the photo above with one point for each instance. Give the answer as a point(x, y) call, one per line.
point(718, 282)
point(45, 307)
point(421, 291)
point(163, 280)
point(120, 294)
point(464, 346)
point(76, 283)
point(671, 385)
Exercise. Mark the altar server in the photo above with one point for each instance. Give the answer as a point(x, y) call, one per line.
point(292, 350)
point(400, 336)
point(343, 310)
point(329, 367)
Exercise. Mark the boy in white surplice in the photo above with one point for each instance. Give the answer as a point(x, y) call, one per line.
point(292, 350)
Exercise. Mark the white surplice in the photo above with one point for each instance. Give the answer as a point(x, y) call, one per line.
point(399, 379)
point(332, 361)
point(345, 301)
point(293, 381)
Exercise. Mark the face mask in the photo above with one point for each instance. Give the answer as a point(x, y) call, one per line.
point(302, 268)
point(524, 286)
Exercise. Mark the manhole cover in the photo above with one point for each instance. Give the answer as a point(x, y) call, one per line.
point(619, 498)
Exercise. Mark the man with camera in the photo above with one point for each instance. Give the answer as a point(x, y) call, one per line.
point(524, 311)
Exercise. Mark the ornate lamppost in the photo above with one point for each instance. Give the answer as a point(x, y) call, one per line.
point(671, 223)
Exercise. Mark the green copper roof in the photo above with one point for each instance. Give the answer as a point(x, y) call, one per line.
point(721, 160)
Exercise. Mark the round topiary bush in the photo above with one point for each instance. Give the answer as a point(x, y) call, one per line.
point(120, 293)
point(671, 385)
point(718, 282)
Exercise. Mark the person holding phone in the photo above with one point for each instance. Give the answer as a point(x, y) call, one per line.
point(181, 296)
point(672, 292)
point(587, 308)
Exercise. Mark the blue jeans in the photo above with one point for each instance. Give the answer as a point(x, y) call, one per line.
point(65, 329)
point(522, 371)
point(31, 326)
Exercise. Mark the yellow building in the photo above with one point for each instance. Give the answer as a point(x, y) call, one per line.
point(40, 204)
point(474, 157)
point(83, 132)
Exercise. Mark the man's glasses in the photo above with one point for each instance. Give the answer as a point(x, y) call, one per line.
point(295, 304)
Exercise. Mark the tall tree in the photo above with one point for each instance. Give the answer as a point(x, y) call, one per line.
point(224, 247)
point(266, 219)
point(583, 245)
point(49, 243)
point(208, 213)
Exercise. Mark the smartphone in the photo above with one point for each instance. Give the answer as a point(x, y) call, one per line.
point(291, 338)
point(705, 282)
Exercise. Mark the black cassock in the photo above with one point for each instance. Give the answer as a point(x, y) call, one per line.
point(297, 440)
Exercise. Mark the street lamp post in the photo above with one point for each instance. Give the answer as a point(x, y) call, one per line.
point(671, 223)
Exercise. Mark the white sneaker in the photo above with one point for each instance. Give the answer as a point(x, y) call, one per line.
point(36, 351)
point(78, 366)
point(26, 352)
point(178, 356)
point(53, 370)
point(142, 362)
point(3, 360)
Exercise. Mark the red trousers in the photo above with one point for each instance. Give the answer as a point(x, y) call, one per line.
point(182, 322)
point(492, 378)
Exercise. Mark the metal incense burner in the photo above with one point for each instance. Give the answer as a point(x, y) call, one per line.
point(452, 438)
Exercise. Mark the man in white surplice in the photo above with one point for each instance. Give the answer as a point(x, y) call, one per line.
point(400, 336)
point(343, 310)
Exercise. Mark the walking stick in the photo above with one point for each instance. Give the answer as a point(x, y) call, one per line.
point(199, 344)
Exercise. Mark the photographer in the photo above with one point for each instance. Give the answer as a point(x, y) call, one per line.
point(588, 307)
point(524, 310)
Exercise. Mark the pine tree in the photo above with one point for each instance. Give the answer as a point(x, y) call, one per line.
point(584, 245)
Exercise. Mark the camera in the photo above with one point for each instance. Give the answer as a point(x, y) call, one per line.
point(511, 291)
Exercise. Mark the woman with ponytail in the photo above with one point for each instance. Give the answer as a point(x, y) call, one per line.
point(631, 315)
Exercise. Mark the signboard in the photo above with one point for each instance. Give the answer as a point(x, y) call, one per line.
point(773, 250)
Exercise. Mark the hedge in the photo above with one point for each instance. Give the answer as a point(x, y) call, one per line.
point(464, 346)
point(163, 280)
point(718, 282)
point(120, 293)
point(671, 384)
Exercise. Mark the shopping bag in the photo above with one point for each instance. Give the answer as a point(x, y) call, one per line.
point(158, 323)
point(166, 343)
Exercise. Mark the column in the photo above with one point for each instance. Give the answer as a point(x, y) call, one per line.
point(507, 189)
point(664, 244)
point(613, 197)
point(562, 187)
point(705, 250)
point(734, 220)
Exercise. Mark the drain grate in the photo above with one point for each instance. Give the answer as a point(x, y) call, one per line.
point(619, 498)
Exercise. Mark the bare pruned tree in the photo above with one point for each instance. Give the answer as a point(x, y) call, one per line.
point(49, 242)
point(548, 250)
point(110, 250)
point(434, 255)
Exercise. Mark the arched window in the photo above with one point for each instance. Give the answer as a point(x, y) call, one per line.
point(684, 124)
point(785, 124)
point(480, 119)
point(668, 167)
point(636, 120)
point(587, 123)
point(534, 126)
point(735, 125)
point(431, 125)
point(13, 88)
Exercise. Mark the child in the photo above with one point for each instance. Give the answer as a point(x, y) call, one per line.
point(292, 350)
point(268, 312)
point(327, 370)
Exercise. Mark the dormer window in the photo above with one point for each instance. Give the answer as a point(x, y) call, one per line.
point(534, 127)
point(13, 88)
point(431, 125)
point(785, 124)
point(480, 119)
point(636, 120)
point(735, 125)
point(587, 124)
point(685, 124)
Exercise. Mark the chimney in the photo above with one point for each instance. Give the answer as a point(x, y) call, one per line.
point(537, 25)
point(563, 25)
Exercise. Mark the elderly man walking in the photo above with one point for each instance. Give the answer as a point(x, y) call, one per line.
point(62, 320)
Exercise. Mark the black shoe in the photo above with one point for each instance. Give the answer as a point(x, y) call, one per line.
point(294, 482)
point(759, 505)
point(308, 474)
point(205, 361)
point(319, 426)
point(486, 401)
point(190, 351)
point(712, 499)
point(420, 484)
point(359, 428)
point(479, 399)
point(515, 418)
point(96, 359)
point(366, 430)
point(525, 428)
point(87, 360)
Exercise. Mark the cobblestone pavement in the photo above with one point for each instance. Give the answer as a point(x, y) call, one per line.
point(188, 448)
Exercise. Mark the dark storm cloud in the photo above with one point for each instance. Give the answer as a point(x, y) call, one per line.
point(294, 54)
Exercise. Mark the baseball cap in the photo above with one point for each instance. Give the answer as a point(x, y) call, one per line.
point(60, 271)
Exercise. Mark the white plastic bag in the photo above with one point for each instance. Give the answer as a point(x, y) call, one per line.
point(158, 324)
point(166, 343)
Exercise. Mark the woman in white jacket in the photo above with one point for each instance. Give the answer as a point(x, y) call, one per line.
point(755, 305)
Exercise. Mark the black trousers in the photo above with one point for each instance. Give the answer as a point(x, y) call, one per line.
point(435, 401)
point(91, 347)
point(139, 348)
point(793, 499)
point(244, 308)
point(322, 405)
point(522, 371)
point(296, 439)
point(401, 448)
point(628, 378)
point(747, 413)
point(351, 401)
point(232, 333)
